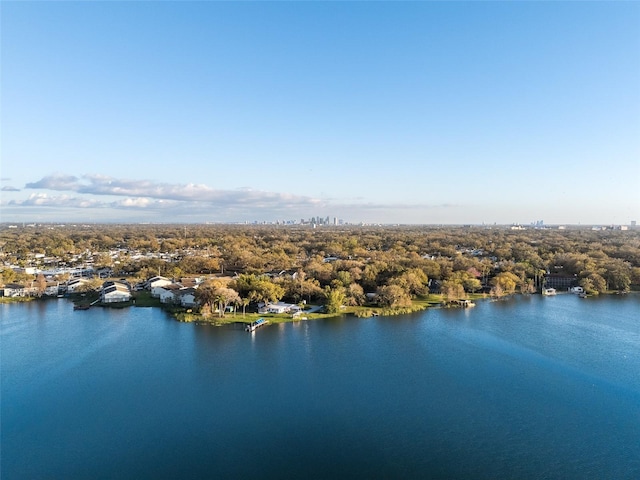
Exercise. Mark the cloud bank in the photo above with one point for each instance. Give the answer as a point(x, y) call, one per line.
point(141, 192)
point(116, 199)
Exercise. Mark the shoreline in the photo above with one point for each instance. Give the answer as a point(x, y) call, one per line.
point(186, 316)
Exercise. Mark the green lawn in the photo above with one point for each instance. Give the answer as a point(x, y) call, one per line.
point(144, 299)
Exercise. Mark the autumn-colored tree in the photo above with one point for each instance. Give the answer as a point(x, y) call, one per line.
point(528, 286)
point(507, 281)
point(413, 281)
point(258, 289)
point(355, 294)
point(594, 284)
point(496, 291)
point(41, 284)
point(205, 295)
point(618, 275)
point(225, 297)
point(452, 290)
point(469, 282)
point(392, 296)
point(92, 285)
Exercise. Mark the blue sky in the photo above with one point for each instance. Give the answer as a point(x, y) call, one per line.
point(391, 112)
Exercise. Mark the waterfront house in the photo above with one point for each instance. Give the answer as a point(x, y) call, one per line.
point(186, 297)
point(14, 290)
point(559, 281)
point(114, 292)
point(51, 289)
point(279, 307)
point(168, 293)
point(74, 284)
point(157, 281)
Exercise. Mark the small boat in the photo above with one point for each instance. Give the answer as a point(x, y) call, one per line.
point(253, 326)
point(548, 291)
point(81, 307)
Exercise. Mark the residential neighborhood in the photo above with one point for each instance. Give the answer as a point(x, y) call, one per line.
point(214, 270)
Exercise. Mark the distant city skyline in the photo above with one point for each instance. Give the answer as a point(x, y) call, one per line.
point(374, 112)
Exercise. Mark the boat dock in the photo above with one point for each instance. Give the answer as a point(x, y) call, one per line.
point(253, 326)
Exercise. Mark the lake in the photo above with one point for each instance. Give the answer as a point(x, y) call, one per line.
point(529, 387)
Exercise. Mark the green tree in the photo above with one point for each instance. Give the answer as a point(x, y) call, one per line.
point(618, 275)
point(244, 301)
point(334, 299)
point(343, 278)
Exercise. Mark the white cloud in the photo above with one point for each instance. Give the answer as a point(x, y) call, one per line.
point(45, 200)
point(144, 199)
point(105, 185)
point(56, 181)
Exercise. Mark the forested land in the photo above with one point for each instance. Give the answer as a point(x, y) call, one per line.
point(339, 265)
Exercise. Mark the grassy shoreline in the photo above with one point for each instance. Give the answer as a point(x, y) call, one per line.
point(186, 315)
point(18, 299)
point(418, 304)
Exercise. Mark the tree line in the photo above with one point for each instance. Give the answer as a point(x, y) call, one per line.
point(341, 265)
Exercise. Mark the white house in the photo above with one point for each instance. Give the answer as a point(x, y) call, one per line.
point(157, 281)
point(116, 292)
point(14, 290)
point(156, 292)
point(187, 297)
point(167, 294)
point(51, 289)
point(279, 307)
point(73, 285)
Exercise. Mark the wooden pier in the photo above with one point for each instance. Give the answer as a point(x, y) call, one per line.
point(253, 326)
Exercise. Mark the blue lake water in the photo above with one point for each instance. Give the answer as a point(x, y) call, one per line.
point(530, 387)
